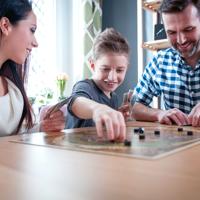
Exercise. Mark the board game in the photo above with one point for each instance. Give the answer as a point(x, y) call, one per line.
point(156, 143)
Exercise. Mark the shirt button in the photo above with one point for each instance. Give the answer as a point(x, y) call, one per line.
point(192, 94)
point(191, 73)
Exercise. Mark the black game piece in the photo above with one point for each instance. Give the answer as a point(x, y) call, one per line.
point(157, 132)
point(141, 130)
point(180, 129)
point(189, 133)
point(112, 141)
point(127, 143)
point(136, 130)
point(141, 136)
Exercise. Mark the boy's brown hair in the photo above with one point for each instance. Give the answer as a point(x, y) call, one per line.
point(110, 41)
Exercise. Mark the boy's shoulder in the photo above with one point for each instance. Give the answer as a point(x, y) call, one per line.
point(85, 83)
point(87, 88)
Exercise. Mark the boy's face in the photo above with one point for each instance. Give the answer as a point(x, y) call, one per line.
point(109, 71)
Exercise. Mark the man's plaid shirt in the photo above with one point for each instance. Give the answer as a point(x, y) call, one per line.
point(168, 74)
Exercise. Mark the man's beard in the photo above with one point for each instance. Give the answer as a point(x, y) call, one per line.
point(191, 52)
point(194, 49)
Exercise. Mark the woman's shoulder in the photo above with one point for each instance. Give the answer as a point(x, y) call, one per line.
point(11, 85)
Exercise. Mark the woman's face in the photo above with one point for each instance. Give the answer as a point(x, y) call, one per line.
point(20, 39)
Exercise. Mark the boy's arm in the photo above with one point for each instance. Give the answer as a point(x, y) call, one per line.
point(102, 115)
point(83, 107)
point(144, 113)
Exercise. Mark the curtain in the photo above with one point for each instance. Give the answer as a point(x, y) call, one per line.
point(92, 27)
point(43, 60)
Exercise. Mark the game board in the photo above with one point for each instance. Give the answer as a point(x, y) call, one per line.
point(152, 147)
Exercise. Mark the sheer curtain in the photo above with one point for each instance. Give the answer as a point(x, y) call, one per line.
point(63, 27)
point(43, 60)
point(60, 37)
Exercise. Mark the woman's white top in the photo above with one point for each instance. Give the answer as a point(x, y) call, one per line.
point(11, 107)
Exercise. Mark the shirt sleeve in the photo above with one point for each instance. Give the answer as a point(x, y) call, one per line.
point(148, 87)
point(80, 89)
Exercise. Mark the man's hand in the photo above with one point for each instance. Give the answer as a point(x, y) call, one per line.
point(194, 116)
point(173, 116)
point(112, 120)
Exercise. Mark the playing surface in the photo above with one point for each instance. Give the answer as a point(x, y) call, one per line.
point(153, 146)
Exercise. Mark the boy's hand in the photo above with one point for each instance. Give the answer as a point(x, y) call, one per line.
point(112, 120)
point(125, 110)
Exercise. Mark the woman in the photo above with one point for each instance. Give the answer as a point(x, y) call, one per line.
point(17, 27)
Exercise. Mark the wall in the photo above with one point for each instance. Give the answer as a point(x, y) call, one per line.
point(147, 34)
point(69, 40)
point(122, 15)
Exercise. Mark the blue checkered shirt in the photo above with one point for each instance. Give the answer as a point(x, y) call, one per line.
point(170, 76)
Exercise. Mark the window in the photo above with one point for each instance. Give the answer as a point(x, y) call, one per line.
point(43, 59)
point(59, 34)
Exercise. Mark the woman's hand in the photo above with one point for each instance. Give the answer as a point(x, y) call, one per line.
point(55, 122)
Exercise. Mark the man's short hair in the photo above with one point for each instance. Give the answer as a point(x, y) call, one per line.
point(173, 6)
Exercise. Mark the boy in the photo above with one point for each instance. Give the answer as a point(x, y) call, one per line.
point(93, 101)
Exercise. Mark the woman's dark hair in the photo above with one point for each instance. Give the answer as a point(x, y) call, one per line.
point(110, 41)
point(171, 6)
point(16, 10)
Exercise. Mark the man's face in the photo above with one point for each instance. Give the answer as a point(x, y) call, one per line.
point(183, 31)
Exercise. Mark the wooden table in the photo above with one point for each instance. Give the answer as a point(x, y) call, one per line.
point(29, 172)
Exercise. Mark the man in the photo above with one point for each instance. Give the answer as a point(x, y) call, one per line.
point(174, 73)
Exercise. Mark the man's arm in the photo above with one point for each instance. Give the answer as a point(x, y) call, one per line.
point(171, 116)
point(144, 113)
point(102, 115)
